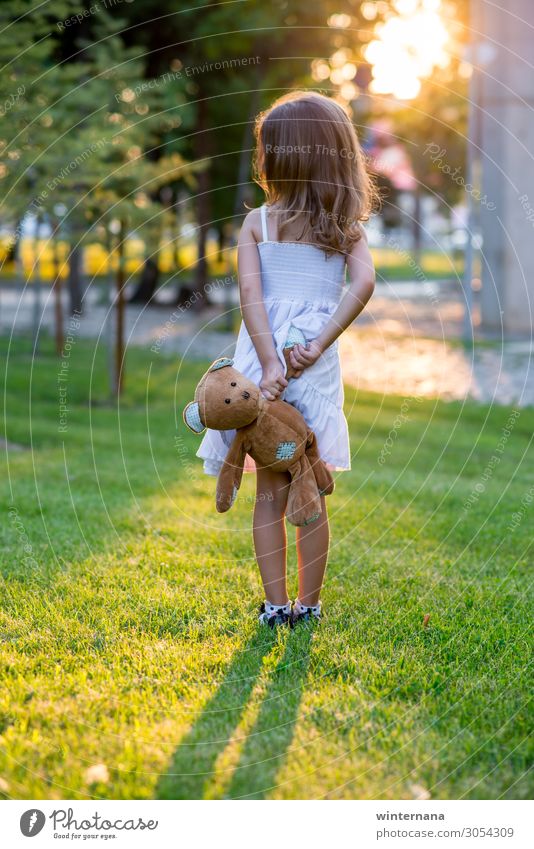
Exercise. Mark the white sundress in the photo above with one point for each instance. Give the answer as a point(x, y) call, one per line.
point(301, 287)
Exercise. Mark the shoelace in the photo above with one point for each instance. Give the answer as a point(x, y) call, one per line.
point(277, 615)
point(308, 612)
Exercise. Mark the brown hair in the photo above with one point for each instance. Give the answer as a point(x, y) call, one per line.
point(310, 164)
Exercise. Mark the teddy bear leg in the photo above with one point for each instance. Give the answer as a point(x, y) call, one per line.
point(230, 475)
point(325, 481)
point(303, 501)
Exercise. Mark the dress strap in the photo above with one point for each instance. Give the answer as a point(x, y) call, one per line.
point(264, 231)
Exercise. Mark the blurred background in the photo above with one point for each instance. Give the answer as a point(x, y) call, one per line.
point(125, 174)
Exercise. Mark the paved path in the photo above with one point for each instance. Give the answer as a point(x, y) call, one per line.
point(407, 342)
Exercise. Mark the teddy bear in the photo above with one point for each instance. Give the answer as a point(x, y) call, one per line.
point(274, 433)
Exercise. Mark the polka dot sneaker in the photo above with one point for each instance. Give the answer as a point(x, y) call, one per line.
point(301, 613)
point(275, 614)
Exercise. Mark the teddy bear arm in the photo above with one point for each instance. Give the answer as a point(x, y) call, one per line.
point(290, 371)
point(303, 501)
point(231, 473)
point(325, 481)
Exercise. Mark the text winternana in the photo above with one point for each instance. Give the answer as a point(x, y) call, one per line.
point(389, 815)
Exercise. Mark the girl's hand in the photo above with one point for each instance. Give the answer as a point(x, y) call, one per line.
point(273, 381)
point(304, 356)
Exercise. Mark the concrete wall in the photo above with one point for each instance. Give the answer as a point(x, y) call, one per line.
point(506, 96)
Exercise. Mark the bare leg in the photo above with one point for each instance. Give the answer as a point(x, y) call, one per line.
point(270, 532)
point(312, 553)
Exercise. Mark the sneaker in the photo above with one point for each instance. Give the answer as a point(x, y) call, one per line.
point(301, 613)
point(275, 614)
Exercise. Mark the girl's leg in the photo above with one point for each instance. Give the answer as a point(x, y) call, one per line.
point(270, 532)
point(312, 554)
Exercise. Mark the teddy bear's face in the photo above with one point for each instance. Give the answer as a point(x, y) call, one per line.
point(224, 399)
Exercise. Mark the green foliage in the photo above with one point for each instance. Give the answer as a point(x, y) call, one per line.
point(198, 76)
point(233, 62)
point(85, 124)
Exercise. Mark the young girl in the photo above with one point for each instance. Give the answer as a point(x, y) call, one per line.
point(292, 256)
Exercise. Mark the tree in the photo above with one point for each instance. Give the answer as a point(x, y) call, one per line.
point(230, 68)
point(123, 193)
point(85, 133)
point(26, 48)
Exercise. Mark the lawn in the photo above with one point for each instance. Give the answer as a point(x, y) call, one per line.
point(132, 664)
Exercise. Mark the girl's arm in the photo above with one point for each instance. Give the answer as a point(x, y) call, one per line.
point(362, 284)
point(273, 380)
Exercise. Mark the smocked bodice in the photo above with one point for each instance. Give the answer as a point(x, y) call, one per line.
point(294, 271)
point(301, 288)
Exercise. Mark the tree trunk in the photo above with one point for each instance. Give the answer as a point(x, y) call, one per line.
point(148, 284)
point(417, 230)
point(75, 281)
point(221, 244)
point(177, 234)
point(58, 309)
point(243, 175)
point(119, 338)
point(109, 313)
point(202, 152)
point(201, 268)
point(150, 273)
point(12, 254)
point(36, 288)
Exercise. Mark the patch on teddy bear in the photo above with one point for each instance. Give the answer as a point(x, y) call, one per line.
point(285, 450)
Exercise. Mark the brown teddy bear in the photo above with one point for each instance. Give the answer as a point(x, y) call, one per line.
point(273, 432)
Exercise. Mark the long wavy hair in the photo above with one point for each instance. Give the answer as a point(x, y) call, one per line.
point(310, 165)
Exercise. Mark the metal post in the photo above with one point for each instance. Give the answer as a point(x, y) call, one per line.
point(473, 151)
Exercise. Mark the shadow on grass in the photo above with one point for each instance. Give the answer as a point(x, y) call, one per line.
point(268, 742)
point(194, 763)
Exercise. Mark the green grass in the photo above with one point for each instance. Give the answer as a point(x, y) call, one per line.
point(393, 265)
point(127, 628)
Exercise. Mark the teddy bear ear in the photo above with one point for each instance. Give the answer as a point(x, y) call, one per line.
point(221, 363)
point(294, 337)
point(192, 417)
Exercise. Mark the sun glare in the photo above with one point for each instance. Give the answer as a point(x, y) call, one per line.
point(406, 48)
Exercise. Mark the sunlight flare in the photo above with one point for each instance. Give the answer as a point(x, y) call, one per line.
point(407, 48)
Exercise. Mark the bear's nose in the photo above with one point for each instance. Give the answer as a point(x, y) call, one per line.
point(246, 395)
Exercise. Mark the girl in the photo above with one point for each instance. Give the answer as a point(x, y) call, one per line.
point(292, 256)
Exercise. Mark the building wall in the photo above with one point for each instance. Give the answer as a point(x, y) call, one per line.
point(507, 142)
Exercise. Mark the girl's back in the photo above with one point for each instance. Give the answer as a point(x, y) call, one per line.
point(292, 255)
point(297, 271)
